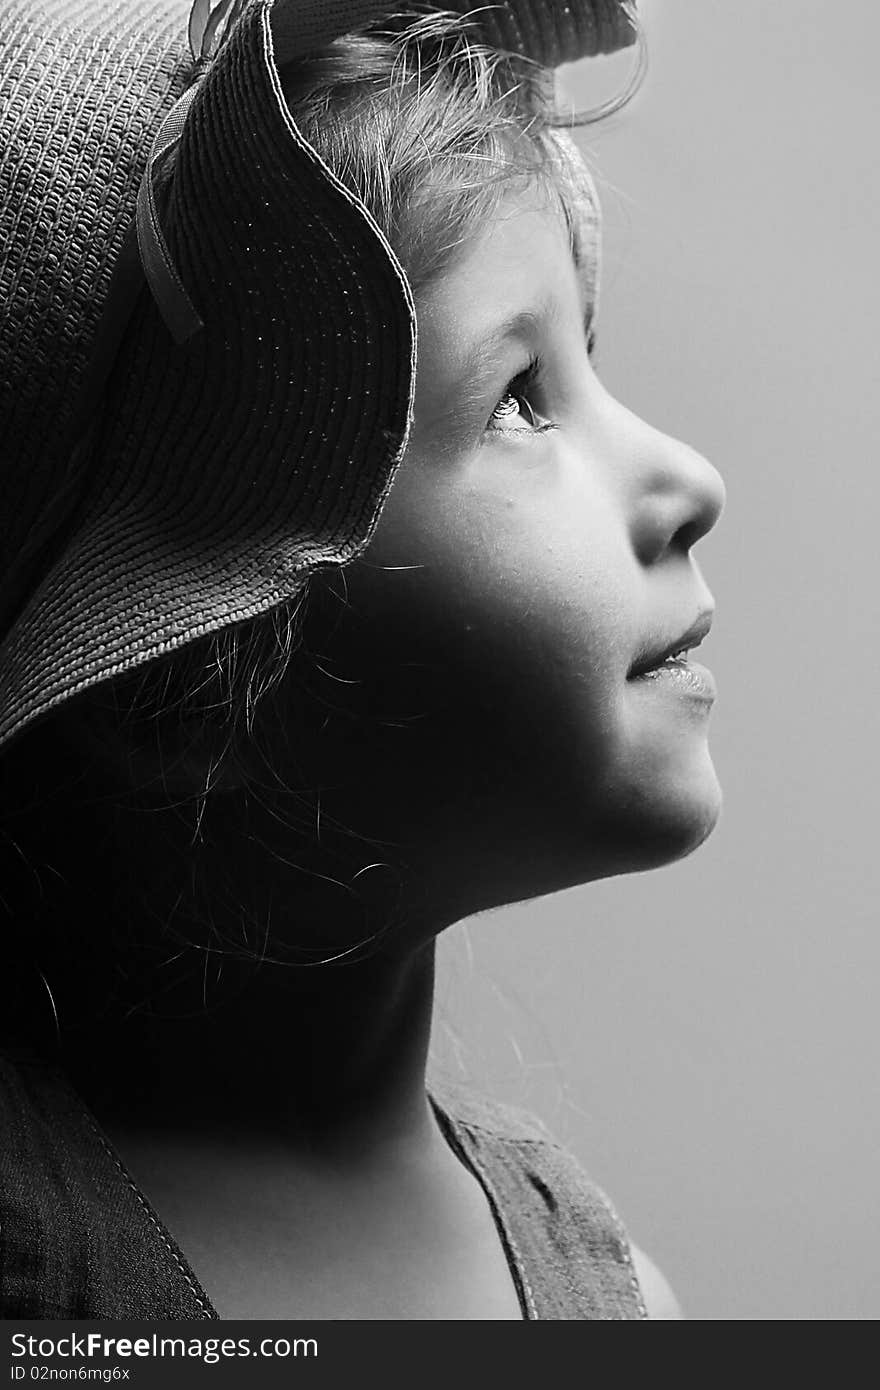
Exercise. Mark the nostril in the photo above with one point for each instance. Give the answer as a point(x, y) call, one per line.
point(703, 495)
point(687, 535)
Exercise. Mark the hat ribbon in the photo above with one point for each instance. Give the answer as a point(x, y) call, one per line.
point(175, 305)
point(206, 31)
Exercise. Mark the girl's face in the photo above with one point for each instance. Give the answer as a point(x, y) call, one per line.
point(535, 549)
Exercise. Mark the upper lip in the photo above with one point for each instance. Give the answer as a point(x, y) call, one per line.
point(686, 641)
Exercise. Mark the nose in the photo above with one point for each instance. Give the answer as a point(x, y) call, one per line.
point(677, 494)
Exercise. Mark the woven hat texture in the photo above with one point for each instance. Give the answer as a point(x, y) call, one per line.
point(215, 473)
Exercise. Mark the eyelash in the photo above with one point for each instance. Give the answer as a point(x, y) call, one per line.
point(519, 387)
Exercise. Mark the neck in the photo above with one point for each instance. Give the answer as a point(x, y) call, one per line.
point(331, 1059)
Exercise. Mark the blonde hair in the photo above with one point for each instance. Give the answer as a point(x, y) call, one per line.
point(428, 128)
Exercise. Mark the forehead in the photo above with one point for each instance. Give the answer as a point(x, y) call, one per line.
point(553, 179)
point(538, 250)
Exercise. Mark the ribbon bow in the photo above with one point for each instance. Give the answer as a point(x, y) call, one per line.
point(207, 27)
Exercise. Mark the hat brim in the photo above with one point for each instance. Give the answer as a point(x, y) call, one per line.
point(227, 469)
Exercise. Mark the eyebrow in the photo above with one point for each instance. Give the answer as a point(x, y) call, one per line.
point(523, 327)
point(479, 362)
point(479, 366)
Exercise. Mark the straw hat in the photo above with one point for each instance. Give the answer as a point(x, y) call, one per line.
point(179, 460)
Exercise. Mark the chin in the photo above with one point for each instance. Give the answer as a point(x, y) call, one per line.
point(665, 822)
point(646, 829)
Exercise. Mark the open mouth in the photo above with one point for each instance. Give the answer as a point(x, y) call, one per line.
point(674, 657)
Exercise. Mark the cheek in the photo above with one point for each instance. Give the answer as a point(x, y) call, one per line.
point(519, 612)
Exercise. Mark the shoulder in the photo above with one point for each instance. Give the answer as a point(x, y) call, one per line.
point(585, 1265)
point(660, 1302)
point(479, 1112)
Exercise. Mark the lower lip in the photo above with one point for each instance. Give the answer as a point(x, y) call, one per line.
point(684, 678)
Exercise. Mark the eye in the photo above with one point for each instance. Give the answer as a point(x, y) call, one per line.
point(514, 413)
point(510, 409)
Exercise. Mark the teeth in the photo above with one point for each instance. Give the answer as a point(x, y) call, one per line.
point(674, 659)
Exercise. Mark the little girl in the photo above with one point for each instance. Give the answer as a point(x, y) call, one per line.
point(364, 608)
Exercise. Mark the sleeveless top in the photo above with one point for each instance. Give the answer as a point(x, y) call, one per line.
point(78, 1240)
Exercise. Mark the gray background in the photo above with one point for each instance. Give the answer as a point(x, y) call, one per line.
point(705, 1037)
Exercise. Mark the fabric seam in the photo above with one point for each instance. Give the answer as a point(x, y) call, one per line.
point(208, 1310)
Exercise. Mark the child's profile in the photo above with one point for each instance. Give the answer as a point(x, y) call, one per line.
point(234, 841)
